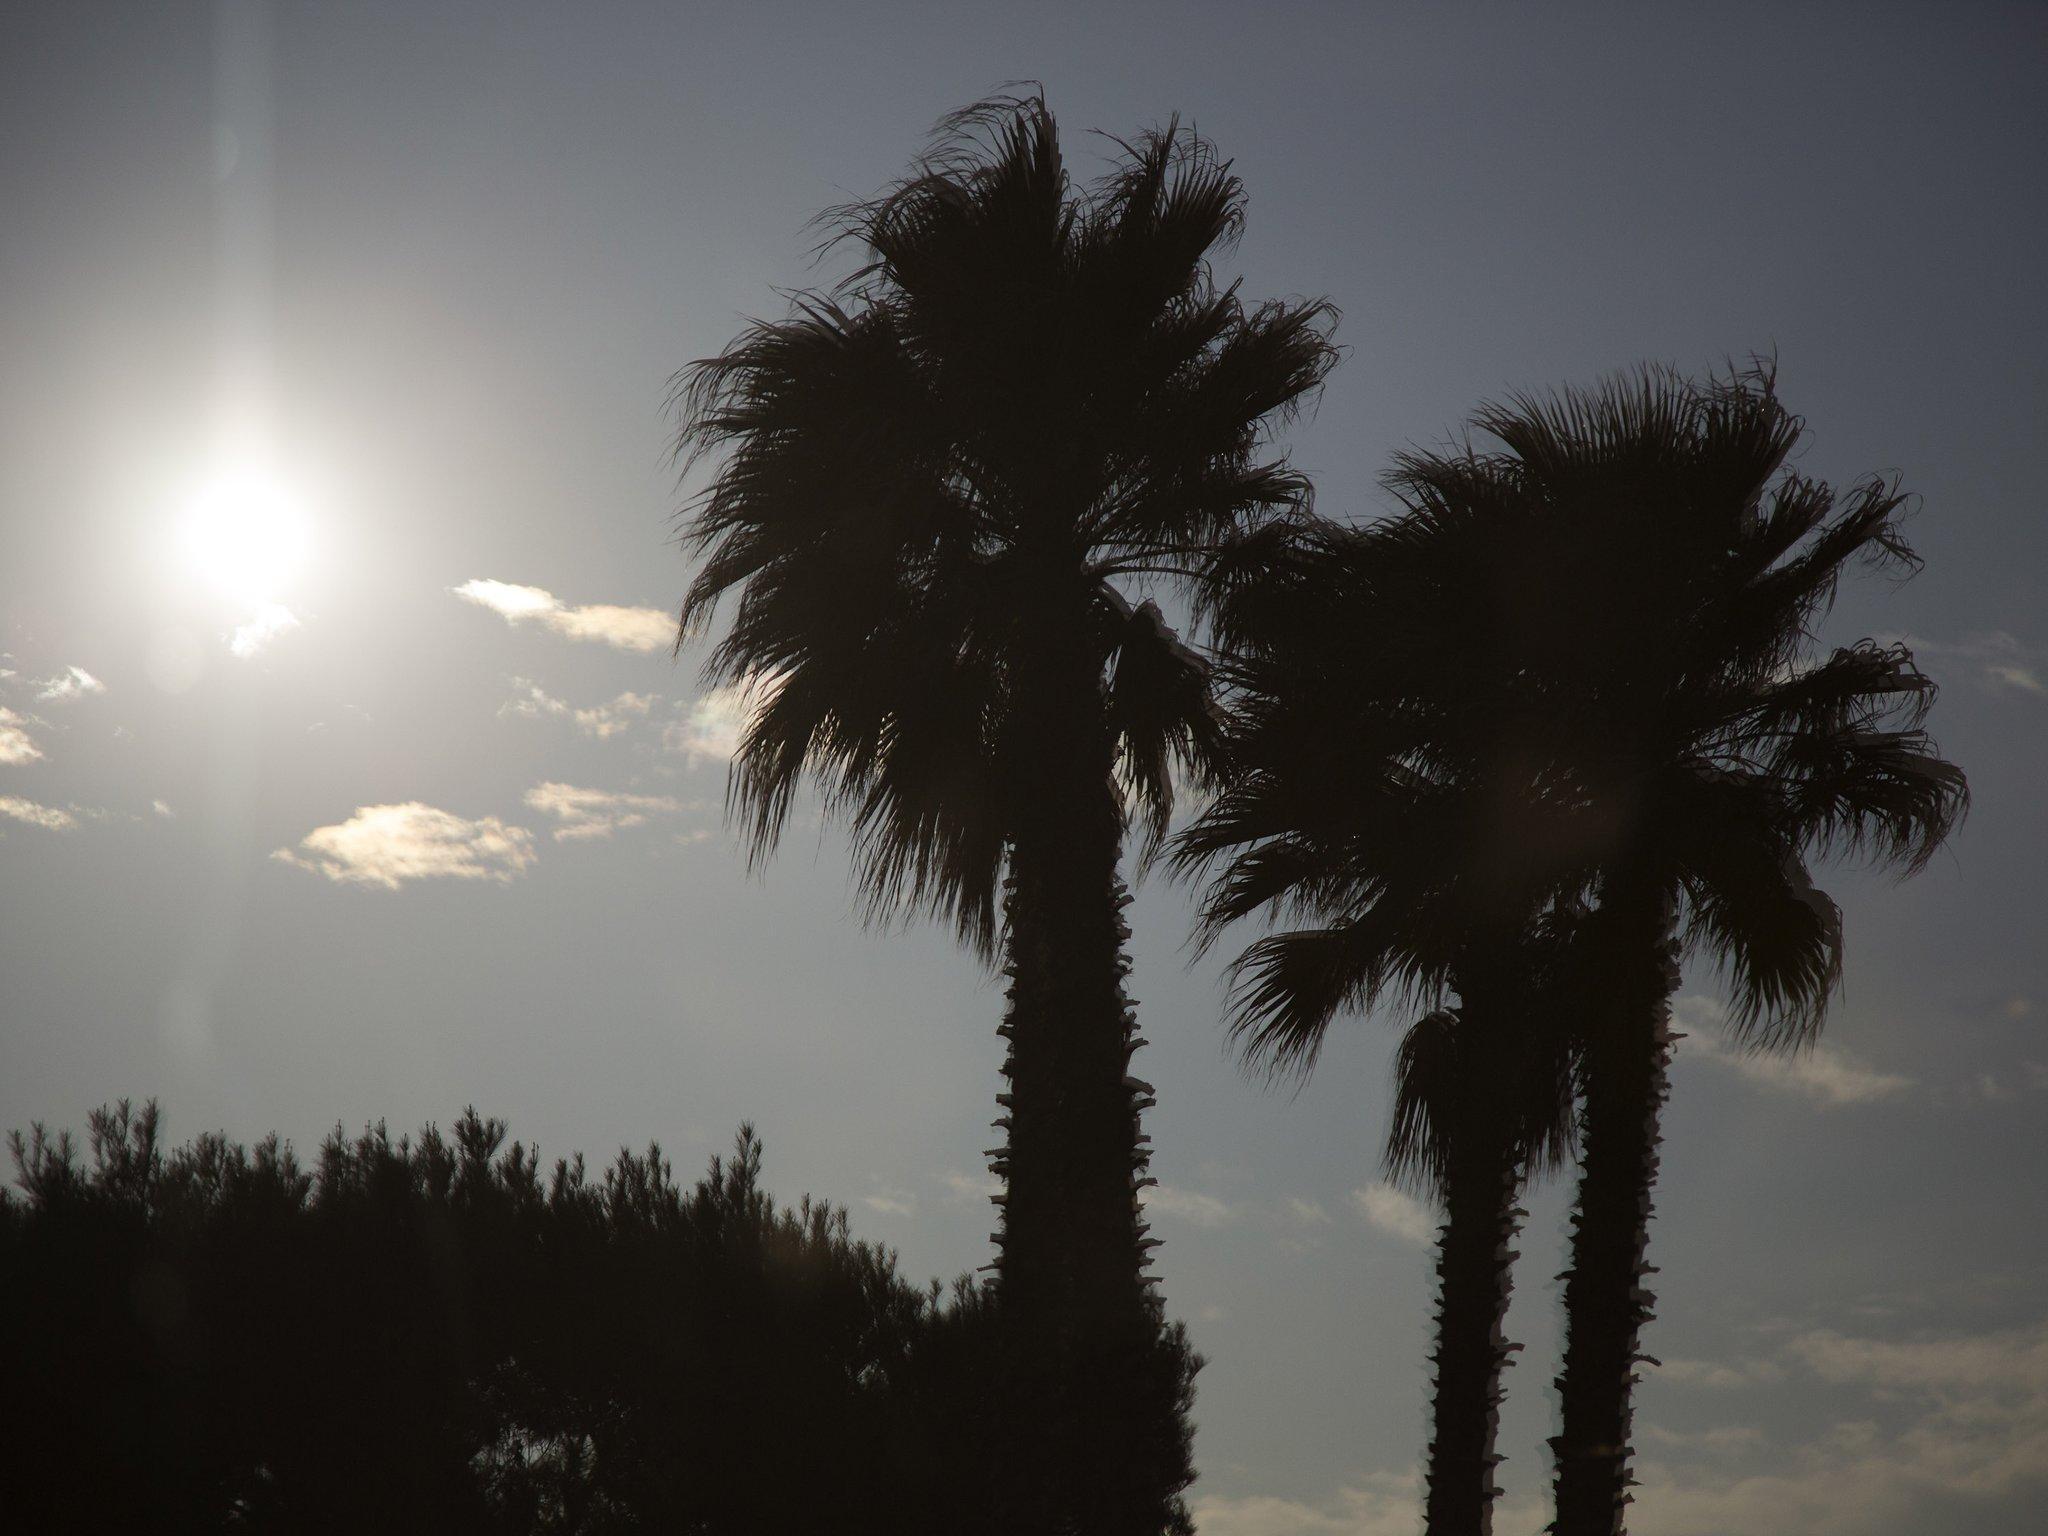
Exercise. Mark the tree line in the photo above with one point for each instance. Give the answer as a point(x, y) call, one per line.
point(435, 1333)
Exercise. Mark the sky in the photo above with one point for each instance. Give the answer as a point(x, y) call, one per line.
point(346, 774)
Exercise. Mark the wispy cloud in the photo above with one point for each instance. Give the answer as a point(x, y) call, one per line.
point(1716, 1440)
point(163, 809)
point(1947, 1429)
point(1187, 1205)
point(1718, 1375)
point(16, 745)
point(530, 701)
point(1999, 660)
point(970, 1186)
point(71, 683)
point(1943, 1420)
point(891, 1201)
point(596, 812)
point(268, 622)
point(628, 629)
point(714, 722)
point(2010, 1361)
point(1304, 1213)
point(1824, 1074)
point(1396, 1214)
point(1377, 1504)
point(388, 845)
point(48, 817)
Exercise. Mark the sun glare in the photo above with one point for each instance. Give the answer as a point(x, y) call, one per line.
point(247, 536)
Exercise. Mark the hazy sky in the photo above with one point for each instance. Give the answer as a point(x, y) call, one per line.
point(377, 838)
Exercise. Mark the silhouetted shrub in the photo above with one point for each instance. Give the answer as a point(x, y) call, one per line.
point(428, 1333)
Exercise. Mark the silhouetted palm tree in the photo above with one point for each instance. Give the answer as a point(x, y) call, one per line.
point(940, 480)
point(1369, 800)
point(1648, 577)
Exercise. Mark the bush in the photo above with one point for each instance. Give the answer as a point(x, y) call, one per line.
point(428, 1334)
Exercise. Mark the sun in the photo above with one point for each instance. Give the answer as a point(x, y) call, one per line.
point(247, 534)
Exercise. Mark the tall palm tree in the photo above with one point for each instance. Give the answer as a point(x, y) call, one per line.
point(940, 482)
point(1647, 577)
point(1374, 804)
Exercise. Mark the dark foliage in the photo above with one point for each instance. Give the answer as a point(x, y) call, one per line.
point(431, 1334)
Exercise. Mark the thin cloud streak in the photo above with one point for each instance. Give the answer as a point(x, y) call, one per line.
point(530, 701)
point(1824, 1074)
point(48, 817)
point(626, 629)
point(585, 813)
point(2002, 660)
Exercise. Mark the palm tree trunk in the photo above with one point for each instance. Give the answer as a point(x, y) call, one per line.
point(1092, 1453)
point(1606, 1298)
point(1475, 1260)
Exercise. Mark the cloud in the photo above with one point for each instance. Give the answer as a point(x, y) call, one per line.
point(71, 683)
point(269, 621)
point(1377, 1504)
point(1716, 1374)
point(2002, 661)
point(627, 629)
point(162, 808)
point(27, 811)
point(1305, 1213)
point(387, 845)
point(2014, 676)
point(16, 745)
point(1185, 1205)
point(1396, 1214)
point(1829, 1077)
point(530, 701)
point(595, 812)
point(890, 1201)
point(715, 722)
point(2015, 1360)
point(1720, 1440)
point(1946, 1424)
point(1950, 1433)
point(970, 1186)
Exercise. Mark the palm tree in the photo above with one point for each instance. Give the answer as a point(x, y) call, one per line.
point(1374, 800)
point(940, 482)
point(1649, 576)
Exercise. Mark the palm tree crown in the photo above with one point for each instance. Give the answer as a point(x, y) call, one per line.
point(943, 473)
point(1641, 583)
